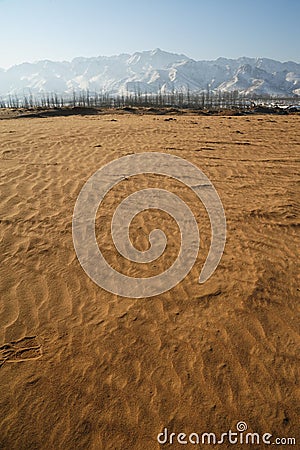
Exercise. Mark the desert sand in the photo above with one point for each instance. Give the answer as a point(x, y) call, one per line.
point(82, 368)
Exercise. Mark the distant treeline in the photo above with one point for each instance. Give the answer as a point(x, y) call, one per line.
point(201, 100)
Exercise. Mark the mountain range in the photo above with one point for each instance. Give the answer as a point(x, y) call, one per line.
point(152, 71)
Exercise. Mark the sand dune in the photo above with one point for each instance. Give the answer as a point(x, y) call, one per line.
point(85, 369)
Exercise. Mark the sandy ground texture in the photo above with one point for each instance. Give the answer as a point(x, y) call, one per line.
point(82, 368)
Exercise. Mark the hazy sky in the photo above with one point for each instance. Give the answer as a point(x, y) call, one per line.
point(31, 30)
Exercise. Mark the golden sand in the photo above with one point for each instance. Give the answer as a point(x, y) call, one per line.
point(85, 369)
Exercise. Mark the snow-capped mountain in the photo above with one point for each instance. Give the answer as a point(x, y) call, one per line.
point(152, 72)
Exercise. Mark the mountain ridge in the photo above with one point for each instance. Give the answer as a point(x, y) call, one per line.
point(152, 71)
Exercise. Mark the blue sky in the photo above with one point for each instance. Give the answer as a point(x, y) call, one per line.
point(202, 29)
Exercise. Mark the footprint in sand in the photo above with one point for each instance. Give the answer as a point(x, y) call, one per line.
point(21, 350)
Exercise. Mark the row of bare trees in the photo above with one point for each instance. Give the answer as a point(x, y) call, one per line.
point(187, 99)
